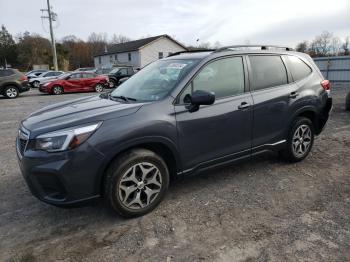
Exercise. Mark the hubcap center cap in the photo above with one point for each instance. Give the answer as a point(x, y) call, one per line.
point(140, 185)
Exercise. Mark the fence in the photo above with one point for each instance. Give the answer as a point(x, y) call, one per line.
point(335, 68)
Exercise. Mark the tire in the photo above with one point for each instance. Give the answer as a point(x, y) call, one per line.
point(347, 102)
point(57, 90)
point(138, 200)
point(299, 141)
point(99, 88)
point(112, 84)
point(11, 92)
point(36, 84)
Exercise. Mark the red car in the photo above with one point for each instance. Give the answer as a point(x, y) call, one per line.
point(75, 82)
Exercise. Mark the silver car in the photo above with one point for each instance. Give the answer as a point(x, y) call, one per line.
point(44, 77)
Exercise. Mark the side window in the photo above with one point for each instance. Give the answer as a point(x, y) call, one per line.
point(124, 71)
point(6, 72)
point(267, 71)
point(75, 76)
point(57, 73)
point(224, 77)
point(298, 68)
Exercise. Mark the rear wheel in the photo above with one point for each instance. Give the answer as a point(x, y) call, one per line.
point(300, 140)
point(136, 182)
point(99, 88)
point(36, 84)
point(11, 92)
point(112, 83)
point(57, 90)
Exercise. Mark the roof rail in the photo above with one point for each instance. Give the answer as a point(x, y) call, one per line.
point(261, 47)
point(192, 51)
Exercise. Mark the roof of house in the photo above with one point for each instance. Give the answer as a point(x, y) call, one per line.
point(135, 45)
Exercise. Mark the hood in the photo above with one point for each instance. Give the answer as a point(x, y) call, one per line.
point(76, 112)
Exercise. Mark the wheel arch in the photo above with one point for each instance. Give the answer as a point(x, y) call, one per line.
point(309, 112)
point(161, 146)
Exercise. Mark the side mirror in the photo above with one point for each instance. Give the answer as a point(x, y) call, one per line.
point(198, 98)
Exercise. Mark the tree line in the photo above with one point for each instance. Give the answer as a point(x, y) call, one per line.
point(325, 44)
point(28, 49)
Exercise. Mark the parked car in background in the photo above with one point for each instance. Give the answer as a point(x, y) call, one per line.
point(118, 73)
point(102, 71)
point(179, 115)
point(12, 82)
point(44, 77)
point(75, 82)
point(85, 69)
point(35, 73)
point(347, 102)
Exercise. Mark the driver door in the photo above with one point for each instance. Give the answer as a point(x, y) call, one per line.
point(74, 83)
point(221, 131)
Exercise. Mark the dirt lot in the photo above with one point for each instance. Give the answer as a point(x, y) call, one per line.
point(262, 210)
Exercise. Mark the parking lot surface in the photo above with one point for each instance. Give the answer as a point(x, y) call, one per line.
point(260, 210)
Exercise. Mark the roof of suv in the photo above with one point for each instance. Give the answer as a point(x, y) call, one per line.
point(233, 50)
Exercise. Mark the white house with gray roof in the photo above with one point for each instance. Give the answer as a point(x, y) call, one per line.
point(139, 53)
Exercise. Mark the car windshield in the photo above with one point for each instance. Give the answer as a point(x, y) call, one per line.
point(115, 70)
point(155, 81)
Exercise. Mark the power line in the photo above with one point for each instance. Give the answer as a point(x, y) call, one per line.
point(51, 17)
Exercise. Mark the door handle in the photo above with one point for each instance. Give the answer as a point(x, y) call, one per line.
point(293, 94)
point(243, 105)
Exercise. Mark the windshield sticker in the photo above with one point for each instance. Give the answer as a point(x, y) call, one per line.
point(176, 65)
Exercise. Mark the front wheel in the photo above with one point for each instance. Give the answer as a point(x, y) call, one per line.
point(99, 88)
point(57, 90)
point(299, 141)
point(136, 182)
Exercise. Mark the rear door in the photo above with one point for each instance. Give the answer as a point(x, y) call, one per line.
point(221, 131)
point(272, 91)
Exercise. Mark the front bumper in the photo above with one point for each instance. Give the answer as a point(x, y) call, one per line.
point(62, 178)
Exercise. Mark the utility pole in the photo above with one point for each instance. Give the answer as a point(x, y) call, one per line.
point(52, 17)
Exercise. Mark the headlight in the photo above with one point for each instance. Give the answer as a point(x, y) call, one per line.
point(64, 139)
point(46, 84)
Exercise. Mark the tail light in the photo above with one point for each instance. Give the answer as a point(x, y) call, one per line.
point(23, 78)
point(326, 85)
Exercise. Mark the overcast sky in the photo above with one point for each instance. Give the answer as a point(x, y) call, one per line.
point(226, 21)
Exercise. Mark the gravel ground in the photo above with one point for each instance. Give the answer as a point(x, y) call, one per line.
point(260, 210)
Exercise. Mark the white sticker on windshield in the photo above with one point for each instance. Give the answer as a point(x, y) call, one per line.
point(176, 65)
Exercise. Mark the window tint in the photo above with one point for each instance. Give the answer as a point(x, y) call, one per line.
point(267, 71)
point(6, 72)
point(123, 71)
point(224, 77)
point(75, 76)
point(298, 68)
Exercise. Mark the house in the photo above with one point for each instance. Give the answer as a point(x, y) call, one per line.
point(139, 53)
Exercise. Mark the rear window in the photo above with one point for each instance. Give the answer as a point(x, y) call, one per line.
point(298, 68)
point(6, 72)
point(267, 71)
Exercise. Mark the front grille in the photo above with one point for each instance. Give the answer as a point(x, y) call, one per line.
point(22, 141)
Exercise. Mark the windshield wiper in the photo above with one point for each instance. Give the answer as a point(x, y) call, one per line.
point(126, 99)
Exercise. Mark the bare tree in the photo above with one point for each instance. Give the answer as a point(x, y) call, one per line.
point(321, 45)
point(118, 39)
point(302, 47)
point(346, 46)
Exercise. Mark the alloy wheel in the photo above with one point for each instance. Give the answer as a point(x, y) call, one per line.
point(57, 90)
point(11, 92)
point(99, 88)
point(140, 185)
point(36, 83)
point(301, 140)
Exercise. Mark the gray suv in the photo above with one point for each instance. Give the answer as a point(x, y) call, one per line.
point(179, 115)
